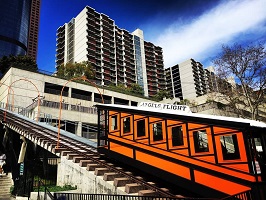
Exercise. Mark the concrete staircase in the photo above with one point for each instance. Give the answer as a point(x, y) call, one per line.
point(5, 183)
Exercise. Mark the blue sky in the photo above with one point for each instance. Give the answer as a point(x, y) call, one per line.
point(183, 28)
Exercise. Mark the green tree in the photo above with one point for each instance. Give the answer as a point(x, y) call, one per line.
point(21, 62)
point(72, 70)
point(136, 89)
point(161, 95)
point(244, 69)
point(183, 102)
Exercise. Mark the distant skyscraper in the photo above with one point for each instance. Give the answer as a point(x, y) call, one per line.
point(118, 57)
point(186, 80)
point(19, 22)
point(34, 29)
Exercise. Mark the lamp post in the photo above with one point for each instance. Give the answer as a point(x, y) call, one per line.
point(60, 103)
point(24, 79)
point(12, 92)
point(9, 87)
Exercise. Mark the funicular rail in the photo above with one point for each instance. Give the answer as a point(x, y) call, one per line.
point(71, 147)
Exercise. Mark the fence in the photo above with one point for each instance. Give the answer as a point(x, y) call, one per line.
point(75, 196)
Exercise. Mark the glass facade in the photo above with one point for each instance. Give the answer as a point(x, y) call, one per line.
point(138, 61)
point(14, 23)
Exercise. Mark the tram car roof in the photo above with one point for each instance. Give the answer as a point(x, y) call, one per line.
point(185, 115)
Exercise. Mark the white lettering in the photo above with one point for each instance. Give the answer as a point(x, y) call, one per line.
point(161, 106)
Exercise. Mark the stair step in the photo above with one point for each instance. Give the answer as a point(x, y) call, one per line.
point(5, 184)
point(110, 176)
point(101, 171)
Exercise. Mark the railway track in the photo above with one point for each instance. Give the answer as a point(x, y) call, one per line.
point(85, 155)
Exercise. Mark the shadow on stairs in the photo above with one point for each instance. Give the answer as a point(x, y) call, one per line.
point(5, 183)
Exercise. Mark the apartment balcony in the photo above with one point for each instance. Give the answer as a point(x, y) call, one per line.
point(152, 89)
point(90, 12)
point(60, 55)
point(150, 76)
point(60, 40)
point(151, 69)
point(112, 44)
point(98, 78)
point(119, 53)
point(90, 26)
point(92, 61)
point(91, 55)
point(59, 58)
point(60, 30)
point(106, 48)
point(113, 75)
point(91, 31)
point(161, 77)
point(121, 82)
point(98, 57)
point(160, 72)
point(132, 78)
point(105, 24)
point(60, 37)
point(152, 81)
point(61, 49)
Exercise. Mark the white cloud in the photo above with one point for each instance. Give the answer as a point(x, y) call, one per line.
point(202, 36)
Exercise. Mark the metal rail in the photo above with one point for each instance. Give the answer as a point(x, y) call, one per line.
point(34, 131)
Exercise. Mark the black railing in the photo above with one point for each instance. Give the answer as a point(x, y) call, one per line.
point(75, 196)
point(46, 192)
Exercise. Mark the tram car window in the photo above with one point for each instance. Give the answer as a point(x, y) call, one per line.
point(126, 125)
point(229, 146)
point(177, 136)
point(141, 131)
point(200, 141)
point(157, 131)
point(114, 122)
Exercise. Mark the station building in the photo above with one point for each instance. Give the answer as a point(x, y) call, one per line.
point(78, 114)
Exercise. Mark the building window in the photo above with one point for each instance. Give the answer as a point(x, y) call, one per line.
point(177, 136)
point(157, 131)
point(229, 146)
point(126, 125)
point(114, 122)
point(200, 141)
point(141, 131)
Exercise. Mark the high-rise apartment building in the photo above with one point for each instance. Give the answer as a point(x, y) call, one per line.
point(212, 81)
point(19, 22)
point(186, 80)
point(34, 29)
point(117, 56)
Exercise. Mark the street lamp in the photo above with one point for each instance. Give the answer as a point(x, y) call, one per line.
point(24, 79)
point(7, 99)
point(60, 105)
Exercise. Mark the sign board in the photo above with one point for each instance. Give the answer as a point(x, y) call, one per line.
point(162, 106)
point(21, 169)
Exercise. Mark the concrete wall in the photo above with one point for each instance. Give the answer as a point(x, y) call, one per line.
point(70, 173)
point(80, 50)
point(28, 85)
point(25, 90)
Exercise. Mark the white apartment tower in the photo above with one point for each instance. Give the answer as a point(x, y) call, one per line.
point(118, 57)
point(186, 80)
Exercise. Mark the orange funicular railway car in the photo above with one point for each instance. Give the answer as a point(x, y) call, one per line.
point(213, 156)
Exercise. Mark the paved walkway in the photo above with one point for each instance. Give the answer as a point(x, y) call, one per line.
point(5, 183)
